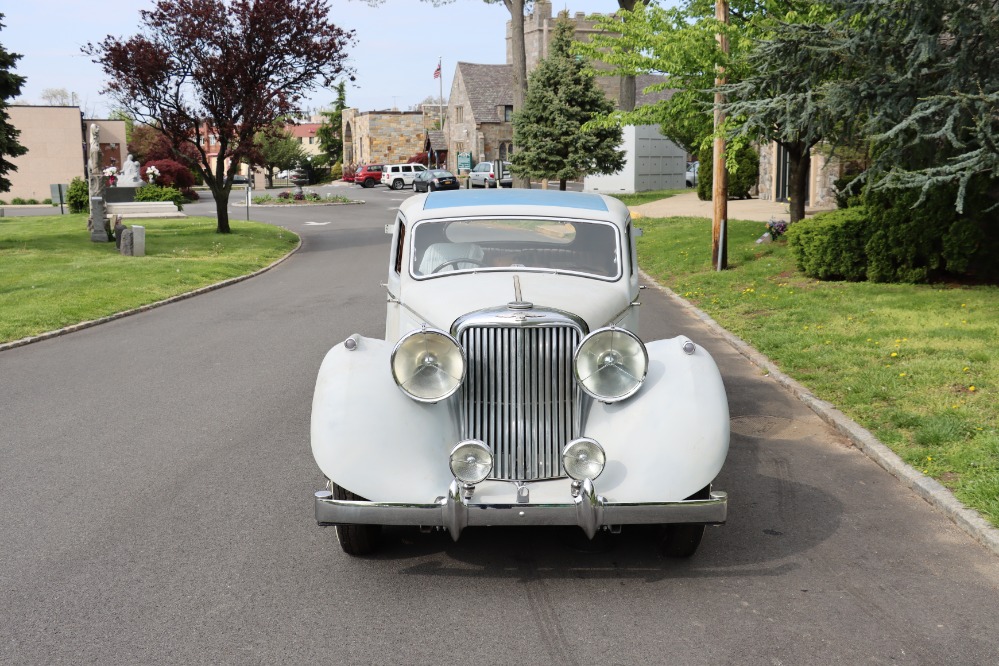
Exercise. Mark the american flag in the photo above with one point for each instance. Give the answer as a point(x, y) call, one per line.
point(437, 72)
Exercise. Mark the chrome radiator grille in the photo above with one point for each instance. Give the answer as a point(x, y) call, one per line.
point(519, 396)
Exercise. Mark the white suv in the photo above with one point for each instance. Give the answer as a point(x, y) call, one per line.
point(398, 176)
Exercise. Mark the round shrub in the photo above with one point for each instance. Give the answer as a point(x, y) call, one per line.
point(830, 246)
point(78, 196)
point(740, 182)
point(919, 241)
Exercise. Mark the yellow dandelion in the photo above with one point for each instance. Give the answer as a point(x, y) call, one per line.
point(894, 354)
point(966, 368)
point(901, 374)
point(971, 388)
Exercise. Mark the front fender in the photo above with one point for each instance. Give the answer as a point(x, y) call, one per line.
point(671, 438)
point(371, 438)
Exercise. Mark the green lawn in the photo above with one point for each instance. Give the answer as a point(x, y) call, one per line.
point(914, 364)
point(52, 275)
point(640, 198)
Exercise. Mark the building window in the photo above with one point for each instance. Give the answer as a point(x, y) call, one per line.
point(311, 139)
point(301, 140)
point(508, 113)
point(459, 114)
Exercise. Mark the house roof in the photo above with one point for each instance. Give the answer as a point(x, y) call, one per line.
point(487, 86)
point(436, 140)
point(303, 130)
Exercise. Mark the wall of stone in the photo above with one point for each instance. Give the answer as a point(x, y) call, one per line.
point(383, 137)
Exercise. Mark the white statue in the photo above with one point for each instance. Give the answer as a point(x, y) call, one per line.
point(130, 173)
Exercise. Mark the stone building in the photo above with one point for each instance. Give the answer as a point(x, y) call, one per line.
point(480, 113)
point(775, 176)
point(56, 139)
point(382, 137)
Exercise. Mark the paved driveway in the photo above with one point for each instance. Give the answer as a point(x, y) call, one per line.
point(156, 482)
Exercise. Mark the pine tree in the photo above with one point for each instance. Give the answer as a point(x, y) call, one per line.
point(10, 86)
point(548, 133)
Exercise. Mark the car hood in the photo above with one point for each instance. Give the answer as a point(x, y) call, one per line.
point(440, 301)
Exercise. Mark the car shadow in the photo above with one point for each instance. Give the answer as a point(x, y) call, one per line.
point(771, 519)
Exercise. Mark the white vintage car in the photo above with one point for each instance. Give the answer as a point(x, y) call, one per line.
point(512, 388)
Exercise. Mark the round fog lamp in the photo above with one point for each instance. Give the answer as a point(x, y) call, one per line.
point(583, 458)
point(610, 364)
point(429, 365)
point(471, 461)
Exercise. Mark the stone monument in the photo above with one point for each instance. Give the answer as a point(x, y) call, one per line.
point(130, 173)
point(97, 222)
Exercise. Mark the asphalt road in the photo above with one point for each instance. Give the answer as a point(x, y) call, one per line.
point(156, 483)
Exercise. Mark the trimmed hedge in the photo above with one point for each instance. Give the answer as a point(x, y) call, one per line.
point(831, 246)
point(160, 193)
point(919, 243)
point(78, 196)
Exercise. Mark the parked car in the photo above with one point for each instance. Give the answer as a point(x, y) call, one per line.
point(519, 390)
point(368, 175)
point(283, 174)
point(398, 176)
point(432, 180)
point(240, 179)
point(485, 175)
point(692, 169)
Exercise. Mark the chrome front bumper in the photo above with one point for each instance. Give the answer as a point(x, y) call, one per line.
point(586, 509)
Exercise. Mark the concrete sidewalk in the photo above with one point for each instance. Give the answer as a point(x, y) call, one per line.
point(688, 204)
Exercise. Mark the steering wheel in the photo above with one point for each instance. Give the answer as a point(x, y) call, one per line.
point(456, 261)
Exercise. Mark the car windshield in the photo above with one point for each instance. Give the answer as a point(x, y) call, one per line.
point(549, 245)
point(438, 173)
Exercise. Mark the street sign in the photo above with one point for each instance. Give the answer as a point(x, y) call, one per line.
point(464, 161)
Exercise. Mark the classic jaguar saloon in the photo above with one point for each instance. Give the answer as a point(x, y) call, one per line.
point(512, 388)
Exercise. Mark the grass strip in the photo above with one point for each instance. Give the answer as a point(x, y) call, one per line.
point(914, 364)
point(640, 198)
point(52, 275)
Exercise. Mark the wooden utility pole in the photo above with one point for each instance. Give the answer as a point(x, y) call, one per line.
point(719, 176)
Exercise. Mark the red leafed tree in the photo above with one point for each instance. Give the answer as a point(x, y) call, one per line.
point(226, 70)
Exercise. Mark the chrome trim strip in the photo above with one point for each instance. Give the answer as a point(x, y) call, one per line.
point(590, 511)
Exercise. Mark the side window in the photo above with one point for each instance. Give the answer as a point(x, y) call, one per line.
point(399, 245)
point(407, 169)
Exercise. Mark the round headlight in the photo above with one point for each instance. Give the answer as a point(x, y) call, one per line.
point(611, 364)
point(471, 461)
point(583, 458)
point(428, 365)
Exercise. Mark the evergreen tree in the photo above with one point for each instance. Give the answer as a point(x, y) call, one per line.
point(549, 134)
point(10, 86)
point(330, 132)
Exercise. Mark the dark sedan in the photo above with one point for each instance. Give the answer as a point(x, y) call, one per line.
point(432, 180)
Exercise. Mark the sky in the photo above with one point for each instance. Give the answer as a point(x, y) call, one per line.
point(398, 45)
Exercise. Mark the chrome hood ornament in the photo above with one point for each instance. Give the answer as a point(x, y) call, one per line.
point(518, 302)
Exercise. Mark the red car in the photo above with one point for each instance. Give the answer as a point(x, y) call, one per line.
point(369, 175)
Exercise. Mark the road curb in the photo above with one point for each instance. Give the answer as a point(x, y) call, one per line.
point(143, 308)
point(929, 489)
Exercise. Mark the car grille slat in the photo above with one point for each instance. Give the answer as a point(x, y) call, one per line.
point(520, 397)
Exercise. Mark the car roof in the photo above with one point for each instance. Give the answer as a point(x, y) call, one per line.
point(474, 203)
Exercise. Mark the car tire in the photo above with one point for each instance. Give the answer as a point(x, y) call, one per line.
point(397, 184)
point(368, 182)
point(681, 540)
point(355, 540)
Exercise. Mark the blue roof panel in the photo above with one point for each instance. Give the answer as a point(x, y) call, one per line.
point(513, 197)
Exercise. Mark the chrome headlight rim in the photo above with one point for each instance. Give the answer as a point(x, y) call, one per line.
point(425, 332)
point(475, 447)
point(639, 378)
point(593, 452)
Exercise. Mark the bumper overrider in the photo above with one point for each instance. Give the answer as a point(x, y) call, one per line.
point(584, 508)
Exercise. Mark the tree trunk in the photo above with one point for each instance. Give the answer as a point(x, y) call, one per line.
point(519, 51)
point(222, 208)
point(627, 94)
point(797, 158)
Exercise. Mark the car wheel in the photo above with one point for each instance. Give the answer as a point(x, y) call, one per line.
point(431, 188)
point(397, 184)
point(368, 182)
point(680, 540)
point(355, 539)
